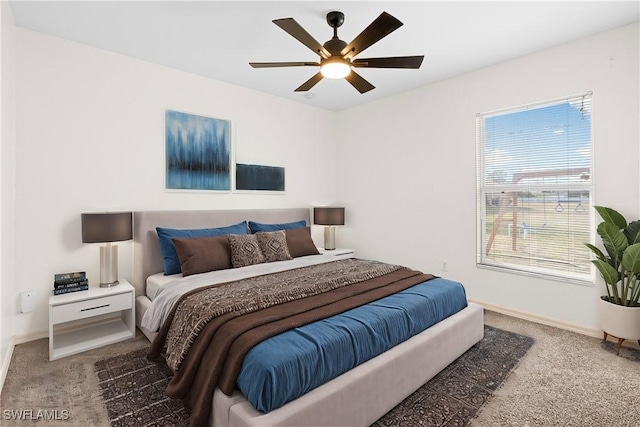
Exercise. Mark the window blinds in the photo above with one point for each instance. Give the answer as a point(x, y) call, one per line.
point(534, 188)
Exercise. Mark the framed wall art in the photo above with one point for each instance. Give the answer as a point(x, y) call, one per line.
point(198, 152)
point(259, 178)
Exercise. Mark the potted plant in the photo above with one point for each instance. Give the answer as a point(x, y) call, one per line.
point(620, 270)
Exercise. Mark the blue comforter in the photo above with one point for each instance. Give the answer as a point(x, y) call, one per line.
point(286, 366)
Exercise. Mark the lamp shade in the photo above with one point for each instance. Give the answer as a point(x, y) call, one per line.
point(328, 216)
point(106, 227)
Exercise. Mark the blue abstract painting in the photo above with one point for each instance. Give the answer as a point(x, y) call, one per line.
point(198, 152)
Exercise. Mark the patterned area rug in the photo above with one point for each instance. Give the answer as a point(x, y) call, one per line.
point(626, 352)
point(455, 395)
point(133, 387)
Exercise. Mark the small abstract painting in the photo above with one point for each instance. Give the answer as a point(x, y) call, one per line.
point(198, 152)
point(257, 177)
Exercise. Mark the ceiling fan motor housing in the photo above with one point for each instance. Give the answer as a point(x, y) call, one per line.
point(335, 46)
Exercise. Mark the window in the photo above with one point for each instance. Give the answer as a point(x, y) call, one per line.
point(534, 188)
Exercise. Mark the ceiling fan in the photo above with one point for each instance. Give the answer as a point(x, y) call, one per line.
point(337, 57)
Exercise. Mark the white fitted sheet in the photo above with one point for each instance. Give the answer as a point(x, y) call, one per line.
point(169, 289)
point(157, 281)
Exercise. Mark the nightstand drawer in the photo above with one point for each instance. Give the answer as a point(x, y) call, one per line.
point(92, 307)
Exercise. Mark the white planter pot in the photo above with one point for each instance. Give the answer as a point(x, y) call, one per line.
point(620, 321)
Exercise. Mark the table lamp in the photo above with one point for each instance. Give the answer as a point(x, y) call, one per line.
point(107, 228)
point(330, 217)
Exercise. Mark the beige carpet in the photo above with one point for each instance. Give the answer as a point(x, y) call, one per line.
point(69, 384)
point(565, 380)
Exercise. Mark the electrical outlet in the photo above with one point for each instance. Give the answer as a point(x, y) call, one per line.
point(444, 265)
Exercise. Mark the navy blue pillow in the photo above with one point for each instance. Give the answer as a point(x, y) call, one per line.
point(170, 260)
point(256, 226)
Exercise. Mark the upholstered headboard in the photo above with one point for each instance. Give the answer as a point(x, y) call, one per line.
point(147, 259)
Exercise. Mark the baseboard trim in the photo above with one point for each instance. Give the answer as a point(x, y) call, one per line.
point(544, 320)
point(21, 339)
point(6, 362)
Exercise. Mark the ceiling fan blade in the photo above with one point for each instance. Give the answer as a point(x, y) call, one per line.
point(296, 31)
point(359, 82)
point(309, 83)
point(390, 62)
point(381, 27)
point(282, 64)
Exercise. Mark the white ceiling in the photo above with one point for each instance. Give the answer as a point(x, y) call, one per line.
point(218, 39)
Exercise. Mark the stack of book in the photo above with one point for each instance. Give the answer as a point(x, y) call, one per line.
point(70, 282)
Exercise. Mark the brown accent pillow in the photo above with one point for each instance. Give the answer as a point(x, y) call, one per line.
point(202, 254)
point(274, 245)
point(245, 250)
point(300, 243)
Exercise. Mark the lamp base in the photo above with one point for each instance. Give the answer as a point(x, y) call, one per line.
point(329, 238)
point(109, 285)
point(108, 266)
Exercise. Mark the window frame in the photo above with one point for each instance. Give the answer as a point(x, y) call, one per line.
point(483, 189)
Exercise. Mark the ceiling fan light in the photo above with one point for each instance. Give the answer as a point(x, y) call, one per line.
point(335, 69)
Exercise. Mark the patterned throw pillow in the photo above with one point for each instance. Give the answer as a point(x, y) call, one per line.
point(274, 245)
point(245, 250)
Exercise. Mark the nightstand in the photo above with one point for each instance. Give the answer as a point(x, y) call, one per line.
point(337, 251)
point(84, 320)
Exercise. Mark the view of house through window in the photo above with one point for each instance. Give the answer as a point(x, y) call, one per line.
point(534, 188)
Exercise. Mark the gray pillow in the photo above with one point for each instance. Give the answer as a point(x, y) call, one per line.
point(245, 250)
point(274, 245)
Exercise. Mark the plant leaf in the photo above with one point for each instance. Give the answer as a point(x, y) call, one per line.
point(631, 258)
point(598, 253)
point(614, 240)
point(612, 216)
point(608, 273)
point(632, 231)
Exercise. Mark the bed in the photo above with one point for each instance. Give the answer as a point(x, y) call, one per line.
point(357, 397)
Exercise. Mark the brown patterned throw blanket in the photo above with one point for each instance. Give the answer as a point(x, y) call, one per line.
point(257, 293)
point(211, 329)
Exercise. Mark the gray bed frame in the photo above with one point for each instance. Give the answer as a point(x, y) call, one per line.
point(356, 398)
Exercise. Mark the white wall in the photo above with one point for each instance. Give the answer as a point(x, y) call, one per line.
point(407, 166)
point(7, 153)
point(90, 137)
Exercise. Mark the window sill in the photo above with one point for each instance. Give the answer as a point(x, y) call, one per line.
point(507, 270)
